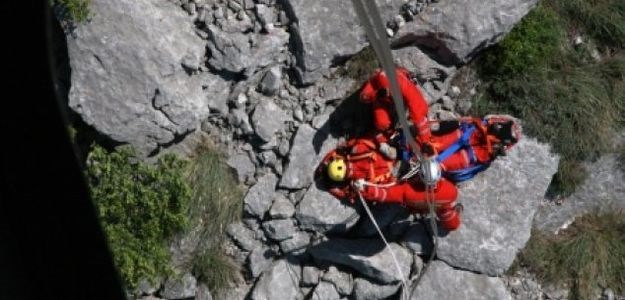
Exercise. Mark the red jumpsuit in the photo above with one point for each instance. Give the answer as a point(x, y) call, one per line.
point(479, 143)
point(383, 107)
point(365, 162)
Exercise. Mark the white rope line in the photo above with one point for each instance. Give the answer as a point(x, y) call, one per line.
point(404, 283)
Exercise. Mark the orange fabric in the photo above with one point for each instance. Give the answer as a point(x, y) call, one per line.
point(384, 107)
point(377, 168)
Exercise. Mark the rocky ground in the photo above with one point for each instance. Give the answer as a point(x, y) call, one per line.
point(259, 78)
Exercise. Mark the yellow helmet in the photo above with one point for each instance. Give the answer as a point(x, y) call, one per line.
point(337, 169)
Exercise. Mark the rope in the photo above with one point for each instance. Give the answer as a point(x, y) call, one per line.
point(369, 16)
point(405, 296)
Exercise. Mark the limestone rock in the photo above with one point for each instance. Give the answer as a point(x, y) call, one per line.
point(258, 199)
point(203, 293)
point(603, 191)
point(310, 275)
point(243, 236)
point(442, 282)
point(368, 257)
point(418, 239)
point(419, 63)
point(296, 244)
point(327, 31)
point(458, 30)
point(342, 281)
point(242, 53)
point(321, 212)
point(282, 208)
point(325, 291)
point(499, 206)
point(259, 260)
point(124, 86)
point(242, 164)
point(308, 148)
point(280, 281)
point(180, 288)
point(280, 229)
point(367, 290)
point(267, 119)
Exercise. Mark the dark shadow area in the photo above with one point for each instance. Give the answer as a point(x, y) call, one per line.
point(51, 243)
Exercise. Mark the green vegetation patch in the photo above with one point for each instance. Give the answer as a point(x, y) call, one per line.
point(140, 206)
point(360, 66)
point(75, 10)
point(216, 202)
point(587, 256)
point(564, 96)
point(604, 20)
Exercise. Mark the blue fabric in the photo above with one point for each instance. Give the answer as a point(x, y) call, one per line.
point(468, 172)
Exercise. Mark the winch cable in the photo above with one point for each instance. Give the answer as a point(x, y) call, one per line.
point(369, 16)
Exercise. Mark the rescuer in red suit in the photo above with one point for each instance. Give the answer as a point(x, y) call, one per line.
point(376, 91)
point(359, 160)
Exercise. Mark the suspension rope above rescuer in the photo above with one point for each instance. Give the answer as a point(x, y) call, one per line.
point(369, 16)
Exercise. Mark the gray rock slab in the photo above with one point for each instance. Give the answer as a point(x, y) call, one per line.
point(296, 244)
point(442, 282)
point(268, 118)
point(310, 275)
point(180, 288)
point(384, 215)
point(367, 256)
point(419, 63)
point(245, 53)
point(259, 260)
point(367, 290)
point(325, 291)
point(280, 281)
point(343, 282)
point(308, 148)
point(321, 212)
point(270, 84)
point(259, 197)
point(280, 229)
point(603, 191)
point(458, 30)
point(281, 208)
point(243, 236)
point(242, 164)
point(124, 86)
point(238, 292)
point(499, 206)
point(326, 31)
point(418, 239)
point(203, 293)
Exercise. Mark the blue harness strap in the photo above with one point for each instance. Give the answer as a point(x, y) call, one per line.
point(463, 141)
point(468, 172)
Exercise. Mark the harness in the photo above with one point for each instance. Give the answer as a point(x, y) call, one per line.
point(462, 143)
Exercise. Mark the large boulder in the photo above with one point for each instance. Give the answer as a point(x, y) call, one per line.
point(499, 206)
point(280, 281)
point(369, 257)
point(306, 153)
point(321, 212)
point(442, 282)
point(603, 191)
point(458, 30)
point(246, 53)
point(328, 31)
point(367, 290)
point(126, 87)
point(259, 198)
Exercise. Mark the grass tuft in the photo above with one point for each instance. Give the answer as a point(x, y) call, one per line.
point(75, 10)
point(216, 202)
point(604, 20)
point(587, 256)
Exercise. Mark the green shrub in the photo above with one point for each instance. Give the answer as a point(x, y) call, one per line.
point(530, 45)
point(565, 99)
point(140, 206)
point(75, 10)
point(216, 202)
point(588, 255)
point(360, 66)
